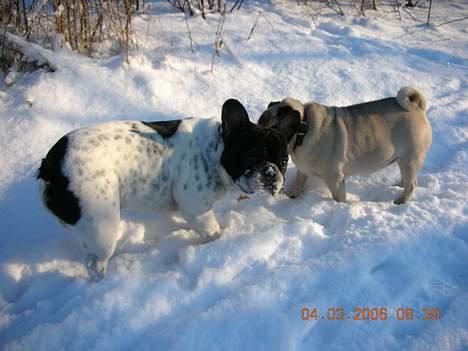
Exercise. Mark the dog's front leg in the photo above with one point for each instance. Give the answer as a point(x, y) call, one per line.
point(205, 224)
point(298, 185)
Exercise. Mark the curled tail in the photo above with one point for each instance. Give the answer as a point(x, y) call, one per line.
point(409, 98)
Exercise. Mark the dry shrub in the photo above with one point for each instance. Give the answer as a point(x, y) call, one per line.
point(204, 6)
point(81, 24)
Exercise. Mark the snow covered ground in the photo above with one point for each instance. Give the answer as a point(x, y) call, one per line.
point(246, 291)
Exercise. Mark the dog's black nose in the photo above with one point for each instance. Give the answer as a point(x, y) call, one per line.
point(269, 172)
point(270, 179)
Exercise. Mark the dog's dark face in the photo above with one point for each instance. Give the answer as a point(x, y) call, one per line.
point(256, 158)
point(269, 117)
point(278, 112)
point(283, 116)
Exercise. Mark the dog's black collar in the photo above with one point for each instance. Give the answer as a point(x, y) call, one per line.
point(301, 132)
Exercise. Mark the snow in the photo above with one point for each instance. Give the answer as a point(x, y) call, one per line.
point(246, 290)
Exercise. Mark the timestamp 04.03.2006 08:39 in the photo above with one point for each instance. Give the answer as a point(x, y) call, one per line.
point(371, 314)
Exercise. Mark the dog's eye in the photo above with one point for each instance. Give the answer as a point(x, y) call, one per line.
point(284, 163)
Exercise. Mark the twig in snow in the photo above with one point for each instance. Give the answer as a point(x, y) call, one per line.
point(254, 25)
point(429, 13)
point(411, 15)
point(397, 9)
point(219, 37)
point(451, 21)
point(362, 8)
point(360, 13)
point(238, 3)
point(189, 32)
point(339, 10)
point(309, 13)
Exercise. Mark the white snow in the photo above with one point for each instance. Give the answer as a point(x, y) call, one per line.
point(246, 290)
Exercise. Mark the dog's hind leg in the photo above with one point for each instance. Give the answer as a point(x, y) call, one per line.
point(409, 170)
point(98, 230)
point(400, 184)
point(99, 237)
point(337, 187)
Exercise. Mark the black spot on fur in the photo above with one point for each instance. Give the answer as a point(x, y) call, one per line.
point(58, 199)
point(165, 128)
point(206, 166)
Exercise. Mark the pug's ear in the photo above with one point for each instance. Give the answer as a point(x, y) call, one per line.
point(289, 123)
point(266, 120)
point(273, 103)
point(233, 117)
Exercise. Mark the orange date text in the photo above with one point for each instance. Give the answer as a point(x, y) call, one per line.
point(371, 314)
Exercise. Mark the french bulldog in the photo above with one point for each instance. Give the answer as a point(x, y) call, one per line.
point(336, 142)
point(92, 173)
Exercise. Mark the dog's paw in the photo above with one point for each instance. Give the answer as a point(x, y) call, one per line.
point(399, 200)
point(293, 192)
point(96, 269)
point(212, 237)
point(243, 197)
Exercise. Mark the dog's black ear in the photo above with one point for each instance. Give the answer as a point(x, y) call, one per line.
point(233, 116)
point(289, 123)
point(264, 119)
point(273, 103)
point(284, 111)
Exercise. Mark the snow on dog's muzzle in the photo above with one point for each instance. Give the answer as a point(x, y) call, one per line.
point(268, 178)
point(271, 178)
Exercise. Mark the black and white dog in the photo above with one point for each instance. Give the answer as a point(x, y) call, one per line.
point(90, 174)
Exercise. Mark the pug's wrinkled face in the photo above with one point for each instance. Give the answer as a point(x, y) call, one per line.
point(256, 158)
point(279, 110)
point(270, 116)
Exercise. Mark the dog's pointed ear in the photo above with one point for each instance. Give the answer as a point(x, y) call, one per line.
point(233, 116)
point(264, 119)
point(289, 123)
point(273, 103)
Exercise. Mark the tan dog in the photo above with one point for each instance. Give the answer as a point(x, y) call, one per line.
point(335, 142)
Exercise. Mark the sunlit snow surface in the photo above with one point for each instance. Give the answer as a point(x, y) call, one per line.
point(246, 290)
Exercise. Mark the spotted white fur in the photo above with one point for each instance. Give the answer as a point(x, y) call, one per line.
point(92, 173)
point(129, 165)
